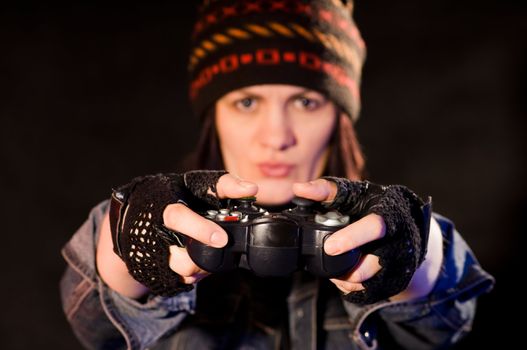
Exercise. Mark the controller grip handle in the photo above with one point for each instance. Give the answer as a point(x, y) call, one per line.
point(209, 258)
point(330, 266)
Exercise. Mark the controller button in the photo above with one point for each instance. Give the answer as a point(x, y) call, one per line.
point(332, 218)
point(333, 215)
point(303, 202)
point(224, 211)
point(211, 214)
point(231, 218)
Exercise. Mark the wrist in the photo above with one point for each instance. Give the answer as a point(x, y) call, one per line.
point(112, 270)
point(425, 277)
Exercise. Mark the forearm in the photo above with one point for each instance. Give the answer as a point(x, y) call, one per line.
point(86, 314)
point(443, 315)
point(103, 318)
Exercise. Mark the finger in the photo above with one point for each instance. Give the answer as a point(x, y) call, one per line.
point(230, 186)
point(179, 218)
point(347, 287)
point(181, 263)
point(367, 229)
point(320, 190)
point(365, 269)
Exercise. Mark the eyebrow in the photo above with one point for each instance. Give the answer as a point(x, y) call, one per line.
point(246, 92)
point(307, 91)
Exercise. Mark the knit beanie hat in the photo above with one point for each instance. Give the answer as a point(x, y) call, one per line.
point(309, 43)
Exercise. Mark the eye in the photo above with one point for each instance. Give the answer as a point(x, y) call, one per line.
point(307, 103)
point(246, 104)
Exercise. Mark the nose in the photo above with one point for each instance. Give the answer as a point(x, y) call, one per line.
point(276, 131)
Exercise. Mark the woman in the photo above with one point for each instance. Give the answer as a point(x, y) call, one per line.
point(276, 86)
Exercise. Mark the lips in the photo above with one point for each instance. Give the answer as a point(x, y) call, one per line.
point(275, 169)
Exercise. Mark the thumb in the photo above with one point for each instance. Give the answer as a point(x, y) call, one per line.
point(320, 190)
point(230, 186)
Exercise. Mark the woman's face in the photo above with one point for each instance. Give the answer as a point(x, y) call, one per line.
point(275, 135)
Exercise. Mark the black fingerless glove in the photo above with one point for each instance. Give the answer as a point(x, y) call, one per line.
point(404, 246)
point(136, 221)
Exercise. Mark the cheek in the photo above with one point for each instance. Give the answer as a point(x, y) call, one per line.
point(233, 144)
point(317, 138)
point(227, 140)
point(225, 135)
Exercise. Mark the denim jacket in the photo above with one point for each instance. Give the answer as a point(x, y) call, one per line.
point(317, 316)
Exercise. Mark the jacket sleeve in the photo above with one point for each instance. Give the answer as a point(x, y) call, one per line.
point(438, 320)
point(102, 318)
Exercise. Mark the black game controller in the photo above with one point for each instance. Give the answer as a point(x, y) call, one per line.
point(275, 244)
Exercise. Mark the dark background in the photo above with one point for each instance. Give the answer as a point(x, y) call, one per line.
point(92, 95)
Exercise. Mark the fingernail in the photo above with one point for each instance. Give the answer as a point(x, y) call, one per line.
point(331, 247)
point(246, 184)
point(218, 239)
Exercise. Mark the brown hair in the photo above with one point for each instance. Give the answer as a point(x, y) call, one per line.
point(346, 158)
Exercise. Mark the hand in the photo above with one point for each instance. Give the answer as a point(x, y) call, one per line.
point(367, 229)
point(134, 252)
point(370, 228)
point(180, 218)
